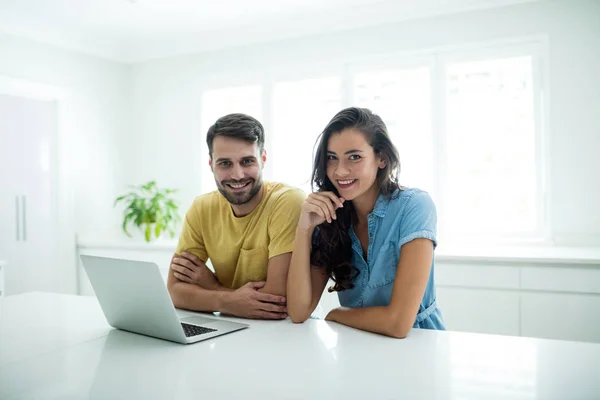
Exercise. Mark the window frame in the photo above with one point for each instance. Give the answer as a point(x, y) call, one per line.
point(537, 49)
point(436, 59)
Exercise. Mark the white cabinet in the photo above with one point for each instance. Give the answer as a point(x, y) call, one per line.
point(535, 299)
point(561, 316)
point(28, 195)
point(478, 298)
point(571, 279)
point(479, 310)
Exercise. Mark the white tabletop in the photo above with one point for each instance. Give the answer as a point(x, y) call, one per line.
point(47, 358)
point(32, 324)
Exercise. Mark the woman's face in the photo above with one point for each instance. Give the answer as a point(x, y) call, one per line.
point(352, 164)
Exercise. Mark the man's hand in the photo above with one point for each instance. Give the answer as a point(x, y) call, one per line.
point(248, 302)
point(190, 269)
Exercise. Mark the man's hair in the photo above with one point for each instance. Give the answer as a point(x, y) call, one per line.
point(237, 126)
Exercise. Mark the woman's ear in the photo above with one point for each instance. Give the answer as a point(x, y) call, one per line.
point(382, 163)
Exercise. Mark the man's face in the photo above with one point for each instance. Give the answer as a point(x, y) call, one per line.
point(237, 166)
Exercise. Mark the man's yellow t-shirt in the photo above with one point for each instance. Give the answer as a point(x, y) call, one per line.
point(239, 248)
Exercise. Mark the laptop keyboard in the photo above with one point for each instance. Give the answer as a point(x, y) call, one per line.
point(195, 330)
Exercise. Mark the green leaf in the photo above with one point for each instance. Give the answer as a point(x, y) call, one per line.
point(118, 199)
point(150, 208)
point(125, 221)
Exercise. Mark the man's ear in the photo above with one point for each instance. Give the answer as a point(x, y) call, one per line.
point(210, 164)
point(263, 156)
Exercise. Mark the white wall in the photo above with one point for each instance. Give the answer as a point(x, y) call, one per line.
point(166, 126)
point(98, 115)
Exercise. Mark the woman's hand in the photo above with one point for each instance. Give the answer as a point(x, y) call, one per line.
point(318, 208)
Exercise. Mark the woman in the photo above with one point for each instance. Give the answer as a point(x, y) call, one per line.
point(372, 237)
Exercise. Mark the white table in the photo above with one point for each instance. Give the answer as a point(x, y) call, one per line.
point(60, 347)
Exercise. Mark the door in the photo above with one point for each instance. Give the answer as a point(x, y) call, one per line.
point(28, 202)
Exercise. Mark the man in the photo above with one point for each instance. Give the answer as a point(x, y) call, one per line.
point(246, 229)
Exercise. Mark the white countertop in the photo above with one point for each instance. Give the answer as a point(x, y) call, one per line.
point(59, 346)
point(519, 254)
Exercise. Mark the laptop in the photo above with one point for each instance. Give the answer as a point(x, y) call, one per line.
point(134, 298)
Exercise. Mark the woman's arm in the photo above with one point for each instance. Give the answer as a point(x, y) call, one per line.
point(305, 282)
point(399, 316)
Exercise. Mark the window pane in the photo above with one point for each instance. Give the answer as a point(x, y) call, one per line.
point(219, 102)
point(301, 110)
point(402, 98)
point(491, 157)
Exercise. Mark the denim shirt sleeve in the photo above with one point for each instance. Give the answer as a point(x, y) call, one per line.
point(419, 219)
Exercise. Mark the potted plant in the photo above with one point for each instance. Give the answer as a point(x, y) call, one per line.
point(150, 209)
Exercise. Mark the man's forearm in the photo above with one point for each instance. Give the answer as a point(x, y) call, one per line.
point(210, 281)
point(196, 298)
point(213, 284)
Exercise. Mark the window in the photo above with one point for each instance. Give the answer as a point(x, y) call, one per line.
point(301, 110)
point(219, 102)
point(467, 130)
point(490, 175)
point(402, 97)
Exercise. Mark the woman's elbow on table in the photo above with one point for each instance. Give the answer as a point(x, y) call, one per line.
point(399, 328)
point(297, 317)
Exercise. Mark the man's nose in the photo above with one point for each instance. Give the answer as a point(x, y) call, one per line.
point(237, 172)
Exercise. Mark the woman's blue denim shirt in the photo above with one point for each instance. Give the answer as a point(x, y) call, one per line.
point(409, 214)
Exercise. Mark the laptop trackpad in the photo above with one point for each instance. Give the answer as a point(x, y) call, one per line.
point(197, 320)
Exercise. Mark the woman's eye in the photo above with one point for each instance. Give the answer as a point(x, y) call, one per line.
point(355, 157)
point(331, 158)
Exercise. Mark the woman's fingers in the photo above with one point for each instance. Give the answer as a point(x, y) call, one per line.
point(317, 210)
point(325, 205)
point(338, 201)
point(330, 200)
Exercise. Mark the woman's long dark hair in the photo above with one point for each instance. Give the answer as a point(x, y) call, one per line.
point(332, 248)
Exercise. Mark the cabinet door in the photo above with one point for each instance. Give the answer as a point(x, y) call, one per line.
point(479, 310)
point(10, 160)
point(28, 200)
point(561, 316)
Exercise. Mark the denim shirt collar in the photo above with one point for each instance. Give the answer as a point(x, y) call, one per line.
point(381, 206)
point(379, 210)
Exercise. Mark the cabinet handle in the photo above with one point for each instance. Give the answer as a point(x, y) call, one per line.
point(17, 218)
point(24, 218)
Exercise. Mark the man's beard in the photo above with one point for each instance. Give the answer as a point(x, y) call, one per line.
point(240, 198)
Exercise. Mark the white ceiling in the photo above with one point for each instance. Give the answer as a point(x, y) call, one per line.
point(139, 30)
